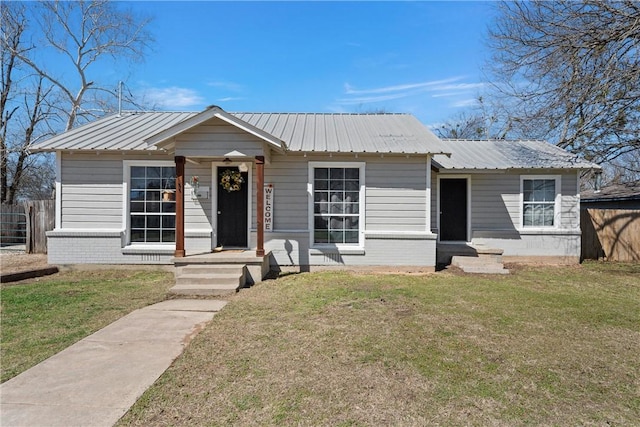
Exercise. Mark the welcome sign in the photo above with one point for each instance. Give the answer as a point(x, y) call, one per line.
point(268, 207)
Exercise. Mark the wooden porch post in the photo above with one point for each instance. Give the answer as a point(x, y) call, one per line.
point(180, 160)
point(260, 204)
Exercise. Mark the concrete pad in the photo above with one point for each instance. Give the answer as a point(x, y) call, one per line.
point(95, 381)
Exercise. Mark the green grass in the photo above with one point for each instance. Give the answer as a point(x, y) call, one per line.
point(43, 317)
point(542, 346)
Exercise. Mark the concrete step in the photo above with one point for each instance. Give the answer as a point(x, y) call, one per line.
point(485, 265)
point(210, 269)
point(470, 260)
point(209, 279)
point(204, 290)
point(485, 270)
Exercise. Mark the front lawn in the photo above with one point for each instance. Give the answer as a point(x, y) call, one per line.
point(543, 346)
point(42, 317)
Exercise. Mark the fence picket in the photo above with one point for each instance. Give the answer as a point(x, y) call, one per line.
point(612, 234)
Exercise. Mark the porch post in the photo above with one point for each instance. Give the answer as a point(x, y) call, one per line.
point(180, 160)
point(260, 204)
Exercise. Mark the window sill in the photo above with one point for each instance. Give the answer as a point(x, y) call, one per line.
point(320, 250)
point(149, 249)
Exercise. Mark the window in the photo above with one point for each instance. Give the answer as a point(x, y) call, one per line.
point(337, 204)
point(539, 201)
point(152, 206)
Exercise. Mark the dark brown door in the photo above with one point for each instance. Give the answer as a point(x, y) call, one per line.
point(232, 212)
point(453, 209)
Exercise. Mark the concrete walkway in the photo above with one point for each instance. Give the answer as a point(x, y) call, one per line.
point(95, 381)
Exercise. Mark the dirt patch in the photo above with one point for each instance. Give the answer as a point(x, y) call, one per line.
point(18, 262)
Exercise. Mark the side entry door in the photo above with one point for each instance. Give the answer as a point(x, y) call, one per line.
point(453, 209)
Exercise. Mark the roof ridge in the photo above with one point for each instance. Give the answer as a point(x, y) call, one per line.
point(321, 113)
point(154, 111)
point(493, 140)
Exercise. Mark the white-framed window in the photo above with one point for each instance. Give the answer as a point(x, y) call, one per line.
point(337, 203)
point(540, 201)
point(150, 202)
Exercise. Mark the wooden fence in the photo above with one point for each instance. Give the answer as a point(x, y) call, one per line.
point(28, 223)
point(611, 234)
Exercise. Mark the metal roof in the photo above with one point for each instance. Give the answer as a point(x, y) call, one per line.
point(347, 133)
point(126, 131)
point(505, 154)
point(304, 132)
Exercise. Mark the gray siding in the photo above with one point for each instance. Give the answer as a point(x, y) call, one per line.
point(91, 191)
point(396, 194)
point(396, 203)
point(495, 201)
point(289, 175)
point(216, 138)
point(197, 212)
point(570, 201)
point(92, 195)
point(395, 191)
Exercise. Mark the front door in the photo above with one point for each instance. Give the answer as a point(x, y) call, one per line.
point(232, 208)
point(453, 209)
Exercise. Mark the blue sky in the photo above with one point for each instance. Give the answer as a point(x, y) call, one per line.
point(424, 58)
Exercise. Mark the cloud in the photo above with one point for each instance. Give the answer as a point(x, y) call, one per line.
point(350, 90)
point(469, 102)
point(452, 87)
point(230, 98)
point(172, 97)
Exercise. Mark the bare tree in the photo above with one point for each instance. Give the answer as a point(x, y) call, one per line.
point(465, 125)
point(39, 97)
point(83, 34)
point(569, 72)
point(23, 106)
point(12, 25)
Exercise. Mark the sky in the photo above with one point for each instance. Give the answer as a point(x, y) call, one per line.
point(424, 58)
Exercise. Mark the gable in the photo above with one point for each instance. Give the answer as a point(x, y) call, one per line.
point(216, 138)
point(166, 139)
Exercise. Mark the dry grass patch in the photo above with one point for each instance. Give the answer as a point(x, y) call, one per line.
point(545, 346)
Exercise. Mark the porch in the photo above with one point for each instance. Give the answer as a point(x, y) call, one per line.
point(218, 273)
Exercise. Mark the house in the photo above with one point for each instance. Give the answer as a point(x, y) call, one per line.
point(303, 190)
point(614, 196)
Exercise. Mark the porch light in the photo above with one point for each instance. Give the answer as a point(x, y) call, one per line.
point(243, 167)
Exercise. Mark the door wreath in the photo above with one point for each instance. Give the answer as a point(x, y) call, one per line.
point(231, 180)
